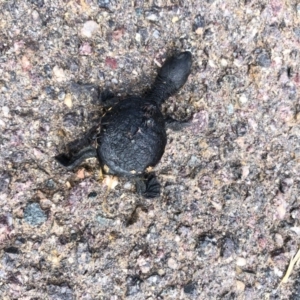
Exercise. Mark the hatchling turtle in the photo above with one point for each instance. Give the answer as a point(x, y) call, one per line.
point(132, 136)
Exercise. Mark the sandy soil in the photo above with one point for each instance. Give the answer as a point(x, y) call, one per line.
point(227, 222)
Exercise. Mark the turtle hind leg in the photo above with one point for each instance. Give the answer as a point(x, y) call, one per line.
point(71, 162)
point(148, 186)
point(176, 125)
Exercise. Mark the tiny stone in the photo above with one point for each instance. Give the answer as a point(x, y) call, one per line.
point(243, 99)
point(104, 221)
point(114, 81)
point(156, 34)
point(279, 240)
point(153, 280)
point(138, 37)
point(207, 246)
point(61, 96)
point(241, 128)
point(4, 181)
point(189, 288)
point(34, 215)
point(5, 111)
point(228, 247)
point(59, 74)
point(38, 3)
point(92, 194)
point(89, 28)
point(139, 11)
point(175, 19)
point(133, 285)
point(104, 3)
point(241, 262)
point(172, 264)
point(230, 109)
point(151, 16)
point(48, 71)
point(297, 32)
point(264, 59)
point(161, 272)
point(224, 62)
point(50, 184)
point(298, 9)
point(285, 185)
point(240, 286)
point(49, 91)
point(68, 101)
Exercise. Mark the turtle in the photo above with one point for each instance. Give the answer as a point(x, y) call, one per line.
point(132, 137)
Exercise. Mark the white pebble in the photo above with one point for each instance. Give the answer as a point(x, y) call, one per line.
point(5, 111)
point(89, 28)
point(241, 262)
point(243, 99)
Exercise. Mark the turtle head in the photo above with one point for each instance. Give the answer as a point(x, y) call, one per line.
point(171, 77)
point(176, 70)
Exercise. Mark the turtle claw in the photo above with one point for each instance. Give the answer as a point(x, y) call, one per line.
point(148, 187)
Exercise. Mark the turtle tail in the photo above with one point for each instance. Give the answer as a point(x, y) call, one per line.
point(71, 162)
point(171, 77)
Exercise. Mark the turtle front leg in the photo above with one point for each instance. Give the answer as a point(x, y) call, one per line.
point(148, 186)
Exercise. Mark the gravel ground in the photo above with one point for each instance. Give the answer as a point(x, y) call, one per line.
point(227, 222)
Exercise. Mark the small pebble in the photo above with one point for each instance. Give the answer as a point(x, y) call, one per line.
point(175, 19)
point(5, 111)
point(243, 99)
point(68, 101)
point(278, 240)
point(104, 221)
point(89, 28)
point(85, 49)
point(224, 62)
point(228, 247)
point(61, 96)
point(263, 59)
point(189, 288)
point(230, 109)
point(151, 16)
point(240, 286)
point(241, 262)
point(285, 185)
point(59, 74)
point(172, 264)
point(139, 12)
point(34, 215)
point(156, 34)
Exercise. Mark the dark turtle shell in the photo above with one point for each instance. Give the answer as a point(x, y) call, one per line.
point(132, 137)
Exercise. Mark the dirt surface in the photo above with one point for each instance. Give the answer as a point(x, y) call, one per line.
point(227, 222)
